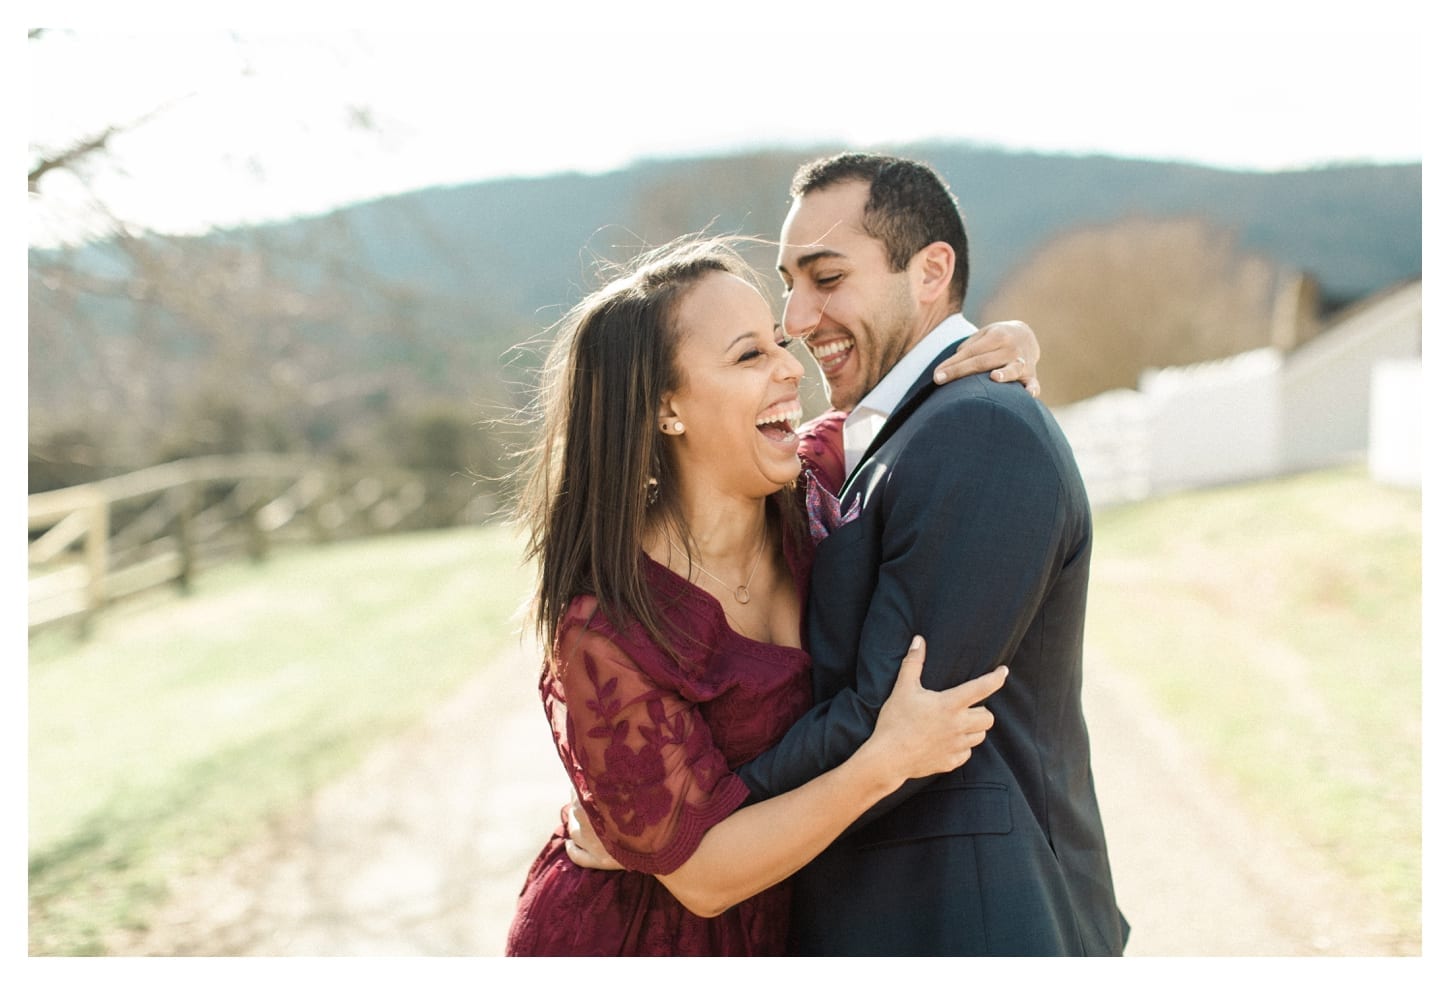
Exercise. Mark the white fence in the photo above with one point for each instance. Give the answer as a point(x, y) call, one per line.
point(1353, 393)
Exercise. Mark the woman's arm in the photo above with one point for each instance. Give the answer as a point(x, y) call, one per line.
point(918, 733)
point(1008, 348)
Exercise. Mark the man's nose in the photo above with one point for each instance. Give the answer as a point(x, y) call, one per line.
point(801, 315)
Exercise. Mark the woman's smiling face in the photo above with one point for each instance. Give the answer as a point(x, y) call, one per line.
point(739, 398)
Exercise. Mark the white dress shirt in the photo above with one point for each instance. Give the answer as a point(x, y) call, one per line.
point(865, 421)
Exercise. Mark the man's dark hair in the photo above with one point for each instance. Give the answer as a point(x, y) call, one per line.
point(908, 207)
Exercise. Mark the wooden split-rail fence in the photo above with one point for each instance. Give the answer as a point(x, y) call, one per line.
point(93, 544)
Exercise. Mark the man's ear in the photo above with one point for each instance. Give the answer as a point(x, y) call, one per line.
point(933, 267)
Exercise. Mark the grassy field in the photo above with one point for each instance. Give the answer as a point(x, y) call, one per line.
point(182, 726)
point(1278, 623)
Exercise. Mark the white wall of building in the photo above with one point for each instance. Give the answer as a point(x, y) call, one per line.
point(1327, 390)
point(1395, 419)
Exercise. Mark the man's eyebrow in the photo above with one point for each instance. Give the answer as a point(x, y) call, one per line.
point(807, 259)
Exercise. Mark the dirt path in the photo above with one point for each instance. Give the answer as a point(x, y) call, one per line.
point(422, 850)
point(1195, 874)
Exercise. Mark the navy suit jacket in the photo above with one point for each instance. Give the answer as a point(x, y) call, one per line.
point(975, 531)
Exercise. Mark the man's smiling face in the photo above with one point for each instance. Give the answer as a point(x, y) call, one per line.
point(857, 315)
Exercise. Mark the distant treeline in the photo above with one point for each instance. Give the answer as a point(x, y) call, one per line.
point(385, 332)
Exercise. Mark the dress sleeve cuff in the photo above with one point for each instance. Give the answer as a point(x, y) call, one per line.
point(693, 823)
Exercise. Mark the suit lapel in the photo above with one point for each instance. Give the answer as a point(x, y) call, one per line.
point(919, 391)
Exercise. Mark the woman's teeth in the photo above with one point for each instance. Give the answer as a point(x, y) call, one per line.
point(787, 414)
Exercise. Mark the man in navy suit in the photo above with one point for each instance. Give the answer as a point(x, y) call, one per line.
point(965, 521)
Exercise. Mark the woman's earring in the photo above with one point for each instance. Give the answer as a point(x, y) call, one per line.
point(651, 491)
point(679, 427)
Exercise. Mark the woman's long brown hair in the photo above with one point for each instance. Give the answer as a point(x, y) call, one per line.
point(585, 499)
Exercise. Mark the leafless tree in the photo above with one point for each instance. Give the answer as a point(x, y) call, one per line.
point(146, 346)
point(1109, 301)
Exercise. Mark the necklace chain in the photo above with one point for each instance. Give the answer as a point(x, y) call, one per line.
point(740, 592)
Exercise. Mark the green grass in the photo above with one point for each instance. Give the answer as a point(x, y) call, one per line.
point(182, 726)
point(1279, 625)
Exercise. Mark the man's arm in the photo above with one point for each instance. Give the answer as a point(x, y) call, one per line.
point(972, 533)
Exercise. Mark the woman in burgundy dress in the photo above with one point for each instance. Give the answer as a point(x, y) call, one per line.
point(673, 551)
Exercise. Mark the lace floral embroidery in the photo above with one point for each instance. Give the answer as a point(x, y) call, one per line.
point(633, 787)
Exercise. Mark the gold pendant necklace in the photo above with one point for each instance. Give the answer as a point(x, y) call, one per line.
point(741, 593)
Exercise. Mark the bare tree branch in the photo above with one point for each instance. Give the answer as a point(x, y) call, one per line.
point(68, 158)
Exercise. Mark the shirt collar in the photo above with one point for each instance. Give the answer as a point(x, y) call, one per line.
point(891, 389)
point(866, 418)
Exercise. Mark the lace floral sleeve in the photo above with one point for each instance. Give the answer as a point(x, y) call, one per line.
point(639, 753)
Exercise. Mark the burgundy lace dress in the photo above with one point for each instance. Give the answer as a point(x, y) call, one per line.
point(649, 744)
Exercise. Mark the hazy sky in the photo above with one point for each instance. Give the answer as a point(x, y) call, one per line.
point(259, 123)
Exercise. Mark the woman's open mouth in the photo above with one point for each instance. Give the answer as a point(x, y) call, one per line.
point(779, 421)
